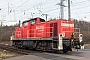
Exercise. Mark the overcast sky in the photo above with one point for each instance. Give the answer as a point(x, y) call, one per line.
point(14, 10)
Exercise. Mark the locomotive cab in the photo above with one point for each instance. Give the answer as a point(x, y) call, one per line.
point(32, 21)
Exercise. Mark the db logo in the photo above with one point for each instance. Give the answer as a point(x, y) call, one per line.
point(39, 27)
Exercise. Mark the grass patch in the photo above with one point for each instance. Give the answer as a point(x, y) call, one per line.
point(4, 55)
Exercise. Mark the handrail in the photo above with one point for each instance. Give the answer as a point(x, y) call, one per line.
point(76, 33)
point(63, 32)
point(42, 32)
point(19, 33)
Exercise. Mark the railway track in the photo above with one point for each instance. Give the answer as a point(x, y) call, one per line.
point(16, 50)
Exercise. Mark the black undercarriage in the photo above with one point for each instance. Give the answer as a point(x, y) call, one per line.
point(47, 45)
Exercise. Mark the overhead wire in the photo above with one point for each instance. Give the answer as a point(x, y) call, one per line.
point(76, 8)
point(80, 2)
point(52, 9)
point(33, 6)
point(30, 7)
point(21, 4)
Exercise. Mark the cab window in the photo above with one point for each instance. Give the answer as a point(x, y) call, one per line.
point(32, 21)
point(42, 20)
point(25, 23)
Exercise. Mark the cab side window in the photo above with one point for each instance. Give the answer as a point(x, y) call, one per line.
point(32, 21)
point(25, 23)
point(42, 20)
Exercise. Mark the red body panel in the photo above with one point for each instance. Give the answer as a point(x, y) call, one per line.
point(46, 29)
point(17, 32)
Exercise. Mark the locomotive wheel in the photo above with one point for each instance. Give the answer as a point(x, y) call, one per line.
point(43, 48)
point(65, 51)
point(66, 47)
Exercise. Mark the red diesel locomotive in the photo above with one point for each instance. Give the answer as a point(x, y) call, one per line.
point(49, 35)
